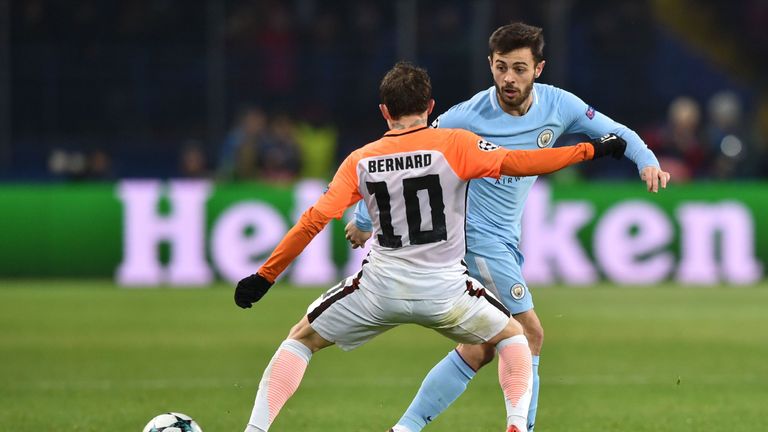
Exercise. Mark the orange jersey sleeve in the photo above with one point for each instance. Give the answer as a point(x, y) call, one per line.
point(544, 161)
point(342, 192)
point(472, 157)
point(297, 238)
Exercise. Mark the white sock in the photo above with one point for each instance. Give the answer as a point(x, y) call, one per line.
point(516, 379)
point(280, 380)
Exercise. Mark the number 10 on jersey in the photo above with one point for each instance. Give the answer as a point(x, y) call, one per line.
point(411, 186)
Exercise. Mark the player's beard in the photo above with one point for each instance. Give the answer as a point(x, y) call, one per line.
point(515, 102)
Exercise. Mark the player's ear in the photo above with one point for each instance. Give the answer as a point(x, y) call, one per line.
point(430, 106)
point(385, 112)
point(539, 68)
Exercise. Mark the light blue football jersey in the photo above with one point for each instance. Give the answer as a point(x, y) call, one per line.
point(495, 207)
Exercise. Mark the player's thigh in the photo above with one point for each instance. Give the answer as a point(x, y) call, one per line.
point(500, 271)
point(347, 315)
point(473, 317)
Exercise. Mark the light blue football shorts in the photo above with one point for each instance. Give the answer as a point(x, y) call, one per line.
point(499, 268)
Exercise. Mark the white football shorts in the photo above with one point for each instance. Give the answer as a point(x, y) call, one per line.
point(353, 312)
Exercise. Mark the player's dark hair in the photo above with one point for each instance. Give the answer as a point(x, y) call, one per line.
point(405, 90)
point(515, 36)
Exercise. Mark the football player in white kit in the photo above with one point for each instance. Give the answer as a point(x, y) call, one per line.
point(414, 184)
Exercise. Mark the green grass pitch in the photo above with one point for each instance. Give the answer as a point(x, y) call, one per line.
point(87, 356)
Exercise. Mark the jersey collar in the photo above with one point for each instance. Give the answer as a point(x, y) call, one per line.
point(399, 132)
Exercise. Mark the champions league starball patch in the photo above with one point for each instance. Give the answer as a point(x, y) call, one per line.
point(545, 138)
point(517, 291)
point(486, 146)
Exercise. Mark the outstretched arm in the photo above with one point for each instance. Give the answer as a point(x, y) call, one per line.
point(294, 242)
point(473, 157)
point(341, 193)
point(545, 161)
point(252, 288)
point(585, 119)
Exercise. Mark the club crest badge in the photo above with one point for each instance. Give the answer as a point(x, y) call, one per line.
point(486, 146)
point(517, 291)
point(590, 112)
point(545, 138)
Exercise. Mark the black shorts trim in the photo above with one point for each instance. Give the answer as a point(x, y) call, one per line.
point(471, 290)
point(338, 295)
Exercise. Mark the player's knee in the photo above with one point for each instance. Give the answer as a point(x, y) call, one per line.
point(299, 329)
point(477, 356)
point(513, 328)
point(305, 334)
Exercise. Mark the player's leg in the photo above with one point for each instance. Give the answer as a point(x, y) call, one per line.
point(482, 319)
point(534, 332)
point(448, 379)
point(515, 365)
point(515, 373)
point(338, 317)
point(499, 268)
point(284, 374)
point(443, 384)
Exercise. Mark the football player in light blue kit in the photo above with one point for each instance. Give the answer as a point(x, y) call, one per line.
point(517, 114)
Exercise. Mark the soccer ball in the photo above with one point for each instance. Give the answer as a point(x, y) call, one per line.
point(172, 422)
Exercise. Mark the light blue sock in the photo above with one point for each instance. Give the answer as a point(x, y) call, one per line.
point(534, 394)
point(442, 385)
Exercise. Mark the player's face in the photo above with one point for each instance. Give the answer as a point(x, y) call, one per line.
point(513, 74)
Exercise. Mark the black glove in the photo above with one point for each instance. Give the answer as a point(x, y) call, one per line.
point(250, 290)
point(609, 145)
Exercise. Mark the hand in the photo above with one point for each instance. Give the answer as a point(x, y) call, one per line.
point(250, 290)
point(355, 235)
point(653, 177)
point(609, 145)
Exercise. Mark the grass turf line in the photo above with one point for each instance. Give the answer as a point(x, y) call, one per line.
point(87, 356)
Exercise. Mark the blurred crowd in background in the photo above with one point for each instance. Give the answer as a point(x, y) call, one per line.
point(280, 90)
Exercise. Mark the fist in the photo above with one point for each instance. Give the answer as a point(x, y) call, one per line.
point(609, 145)
point(250, 290)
